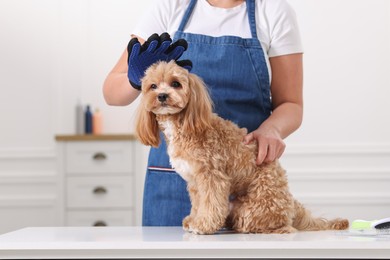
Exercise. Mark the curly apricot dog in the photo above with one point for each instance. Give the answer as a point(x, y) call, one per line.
point(209, 153)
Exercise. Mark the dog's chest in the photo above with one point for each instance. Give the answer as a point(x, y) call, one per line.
point(177, 160)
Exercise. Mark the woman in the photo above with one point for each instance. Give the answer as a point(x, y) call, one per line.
point(246, 51)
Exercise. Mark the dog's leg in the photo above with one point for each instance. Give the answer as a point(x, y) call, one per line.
point(253, 216)
point(267, 207)
point(213, 202)
point(193, 192)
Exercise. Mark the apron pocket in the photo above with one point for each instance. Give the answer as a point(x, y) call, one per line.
point(161, 169)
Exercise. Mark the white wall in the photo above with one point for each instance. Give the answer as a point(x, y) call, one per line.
point(339, 161)
point(54, 52)
point(346, 71)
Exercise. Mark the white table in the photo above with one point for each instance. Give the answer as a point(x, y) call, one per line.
point(173, 242)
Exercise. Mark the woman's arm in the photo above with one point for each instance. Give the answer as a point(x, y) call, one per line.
point(117, 90)
point(287, 101)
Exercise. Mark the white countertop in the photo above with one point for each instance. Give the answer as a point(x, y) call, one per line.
point(173, 242)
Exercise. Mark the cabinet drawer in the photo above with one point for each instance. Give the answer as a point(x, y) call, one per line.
point(98, 157)
point(99, 192)
point(100, 218)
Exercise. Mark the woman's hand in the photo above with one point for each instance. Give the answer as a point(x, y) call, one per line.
point(117, 88)
point(287, 103)
point(156, 48)
point(270, 143)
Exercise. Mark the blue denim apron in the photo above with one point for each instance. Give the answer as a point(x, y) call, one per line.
point(236, 73)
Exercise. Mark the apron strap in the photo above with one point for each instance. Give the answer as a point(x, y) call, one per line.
point(187, 15)
point(251, 9)
point(250, 6)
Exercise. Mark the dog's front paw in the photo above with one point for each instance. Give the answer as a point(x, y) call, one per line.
point(187, 221)
point(205, 226)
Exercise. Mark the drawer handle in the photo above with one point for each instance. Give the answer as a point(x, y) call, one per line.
point(99, 156)
point(100, 223)
point(100, 190)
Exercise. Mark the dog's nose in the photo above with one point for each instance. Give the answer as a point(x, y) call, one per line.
point(162, 97)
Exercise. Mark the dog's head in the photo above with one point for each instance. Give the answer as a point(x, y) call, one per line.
point(171, 91)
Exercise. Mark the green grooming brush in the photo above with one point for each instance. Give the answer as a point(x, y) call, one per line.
point(360, 224)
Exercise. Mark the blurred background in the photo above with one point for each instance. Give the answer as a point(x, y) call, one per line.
point(56, 53)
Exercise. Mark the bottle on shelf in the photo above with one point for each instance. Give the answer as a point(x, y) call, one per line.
point(88, 120)
point(79, 118)
point(97, 122)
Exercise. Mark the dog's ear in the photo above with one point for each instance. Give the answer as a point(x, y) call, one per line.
point(146, 127)
point(199, 110)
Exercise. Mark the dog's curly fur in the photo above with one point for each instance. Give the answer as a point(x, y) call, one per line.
point(209, 153)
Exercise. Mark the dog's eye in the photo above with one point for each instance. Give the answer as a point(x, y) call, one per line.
point(176, 84)
point(153, 86)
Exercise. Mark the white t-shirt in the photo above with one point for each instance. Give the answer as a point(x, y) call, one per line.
point(277, 27)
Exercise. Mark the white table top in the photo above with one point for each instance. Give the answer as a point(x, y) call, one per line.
point(171, 242)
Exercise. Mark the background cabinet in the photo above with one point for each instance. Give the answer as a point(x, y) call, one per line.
point(98, 176)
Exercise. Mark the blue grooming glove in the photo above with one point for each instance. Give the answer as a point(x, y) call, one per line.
point(156, 48)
